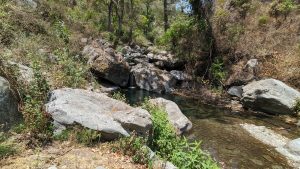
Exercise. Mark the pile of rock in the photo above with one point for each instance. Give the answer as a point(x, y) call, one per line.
point(148, 69)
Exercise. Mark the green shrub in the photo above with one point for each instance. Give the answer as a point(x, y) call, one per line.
point(62, 31)
point(169, 146)
point(119, 96)
point(262, 20)
point(72, 72)
point(297, 106)
point(34, 97)
point(221, 17)
point(217, 71)
point(234, 32)
point(6, 149)
point(282, 7)
point(134, 146)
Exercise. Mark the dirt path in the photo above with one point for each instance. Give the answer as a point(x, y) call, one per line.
point(67, 156)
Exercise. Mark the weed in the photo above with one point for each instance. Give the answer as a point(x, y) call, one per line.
point(6, 149)
point(221, 17)
point(262, 20)
point(62, 31)
point(217, 71)
point(297, 106)
point(119, 96)
point(234, 32)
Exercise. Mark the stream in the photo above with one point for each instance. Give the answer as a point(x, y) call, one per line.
point(221, 135)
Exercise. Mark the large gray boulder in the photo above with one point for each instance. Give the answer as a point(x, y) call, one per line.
point(271, 96)
point(179, 121)
point(107, 64)
point(9, 113)
point(97, 111)
point(150, 78)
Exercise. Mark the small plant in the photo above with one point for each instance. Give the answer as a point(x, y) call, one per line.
point(217, 71)
point(262, 20)
point(62, 31)
point(119, 96)
point(221, 17)
point(234, 32)
point(6, 149)
point(134, 146)
point(87, 136)
point(297, 106)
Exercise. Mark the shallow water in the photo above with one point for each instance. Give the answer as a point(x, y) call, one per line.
point(222, 136)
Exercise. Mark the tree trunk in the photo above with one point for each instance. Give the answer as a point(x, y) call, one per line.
point(166, 19)
point(110, 12)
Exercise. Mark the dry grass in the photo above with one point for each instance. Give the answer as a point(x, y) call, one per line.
point(70, 155)
point(275, 43)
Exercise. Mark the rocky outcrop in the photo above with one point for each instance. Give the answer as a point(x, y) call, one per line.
point(26, 74)
point(271, 96)
point(242, 75)
point(9, 113)
point(150, 78)
point(180, 122)
point(28, 3)
point(106, 63)
point(97, 111)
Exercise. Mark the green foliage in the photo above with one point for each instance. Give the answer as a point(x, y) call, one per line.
point(134, 146)
point(221, 17)
point(87, 136)
point(234, 32)
point(6, 149)
point(217, 71)
point(282, 7)
point(297, 106)
point(262, 20)
point(61, 31)
point(34, 97)
point(169, 146)
point(119, 96)
point(72, 71)
point(242, 5)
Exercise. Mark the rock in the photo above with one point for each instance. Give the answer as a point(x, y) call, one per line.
point(271, 96)
point(26, 73)
point(180, 122)
point(294, 147)
point(97, 111)
point(150, 78)
point(100, 167)
point(106, 64)
point(235, 91)
point(9, 113)
point(29, 3)
point(52, 167)
point(158, 163)
point(180, 75)
point(241, 75)
point(167, 62)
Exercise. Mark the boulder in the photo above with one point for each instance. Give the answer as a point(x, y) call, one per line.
point(293, 147)
point(236, 91)
point(166, 61)
point(106, 64)
point(150, 78)
point(28, 3)
point(271, 96)
point(9, 113)
point(97, 111)
point(26, 74)
point(180, 75)
point(180, 122)
point(242, 73)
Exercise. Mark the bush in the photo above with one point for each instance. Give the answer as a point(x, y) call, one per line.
point(262, 20)
point(6, 149)
point(134, 146)
point(234, 32)
point(221, 17)
point(178, 150)
point(282, 7)
point(297, 106)
point(217, 71)
point(119, 96)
